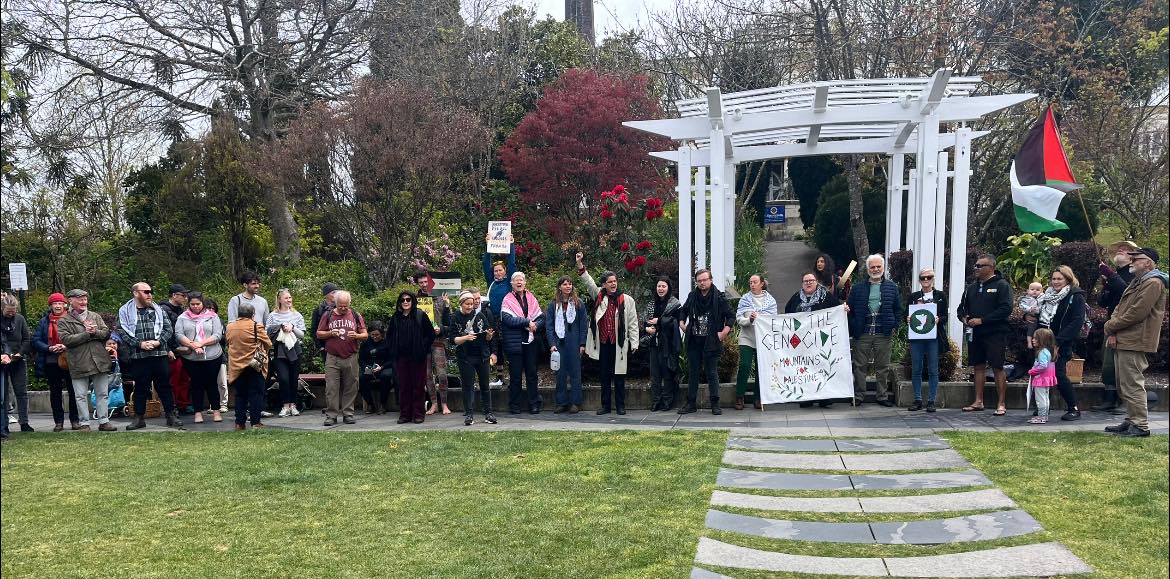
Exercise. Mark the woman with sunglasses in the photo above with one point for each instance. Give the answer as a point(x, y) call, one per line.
point(812, 296)
point(928, 349)
point(411, 335)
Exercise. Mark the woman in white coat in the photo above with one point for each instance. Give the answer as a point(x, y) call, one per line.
point(613, 333)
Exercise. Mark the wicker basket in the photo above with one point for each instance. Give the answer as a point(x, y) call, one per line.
point(1075, 368)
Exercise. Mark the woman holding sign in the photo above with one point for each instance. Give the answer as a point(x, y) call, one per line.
point(929, 347)
point(757, 301)
point(813, 296)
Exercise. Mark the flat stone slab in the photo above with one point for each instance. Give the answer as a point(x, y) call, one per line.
point(954, 530)
point(781, 444)
point(716, 552)
point(1038, 560)
point(781, 460)
point(892, 444)
point(783, 481)
point(937, 480)
point(799, 504)
point(1041, 559)
point(712, 552)
point(964, 501)
point(930, 459)
point(790, 530)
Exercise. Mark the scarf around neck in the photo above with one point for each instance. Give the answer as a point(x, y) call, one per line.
point(128, 318)
point(511, 305)
point(566, 314)
point(54, 338)
point(1049, 300)
point(807, 302)
point(761, 304)
point(199, 318)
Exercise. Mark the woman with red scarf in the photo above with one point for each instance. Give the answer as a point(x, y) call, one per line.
point(49, 349)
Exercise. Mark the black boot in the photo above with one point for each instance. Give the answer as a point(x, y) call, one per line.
point(173, 419)
point(139, 422)
point(688, 407)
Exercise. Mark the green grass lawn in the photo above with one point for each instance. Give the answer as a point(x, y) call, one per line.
point(287, 504)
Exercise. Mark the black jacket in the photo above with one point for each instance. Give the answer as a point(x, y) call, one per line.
point(374, 353)
point(940, 301)
point(991, 301)
point(1112, 289)
point(460, 324)
point(173, 312)
point(1069, 317)
point(793, 304)
point(319, 311)
point(15, 335)
point(721, 315)
point(411, 336)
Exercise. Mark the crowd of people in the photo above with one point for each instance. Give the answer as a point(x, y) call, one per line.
point(181, 350)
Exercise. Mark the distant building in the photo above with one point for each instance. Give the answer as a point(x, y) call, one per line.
point(580, 13)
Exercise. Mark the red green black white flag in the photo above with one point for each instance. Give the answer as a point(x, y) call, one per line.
point(1040, 177)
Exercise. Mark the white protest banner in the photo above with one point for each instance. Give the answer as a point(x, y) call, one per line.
point(923, 322)
point(18, 276)
point(804, 356)
point(499, 233)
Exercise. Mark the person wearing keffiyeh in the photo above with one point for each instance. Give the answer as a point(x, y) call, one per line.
point(757, 301)
point(521, 318)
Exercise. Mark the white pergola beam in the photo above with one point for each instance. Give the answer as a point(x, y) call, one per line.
point(948, 111)
point(903, 134)
point(744, 154)
point(934, 91)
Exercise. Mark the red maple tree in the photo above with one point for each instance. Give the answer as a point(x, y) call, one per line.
point(573, 145)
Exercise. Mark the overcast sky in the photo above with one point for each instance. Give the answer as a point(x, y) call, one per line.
point(609, 16)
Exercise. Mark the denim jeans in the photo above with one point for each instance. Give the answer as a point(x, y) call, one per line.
point(929, 350)
point(569, 378)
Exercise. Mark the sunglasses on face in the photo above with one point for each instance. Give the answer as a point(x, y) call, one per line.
point(925, 277)
point(405, 301)
point(147, 292)
point(982, 265)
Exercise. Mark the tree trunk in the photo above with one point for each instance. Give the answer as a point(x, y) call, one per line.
point(856, 207)
point(285, 235)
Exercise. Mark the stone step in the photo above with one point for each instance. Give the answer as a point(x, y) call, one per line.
point(982, 527)
point(926, 460)
point(1040, 559)
point(787, 481)
point(948, 502)
point(826, 445)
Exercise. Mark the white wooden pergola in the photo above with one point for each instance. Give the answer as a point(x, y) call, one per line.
point(892, 116)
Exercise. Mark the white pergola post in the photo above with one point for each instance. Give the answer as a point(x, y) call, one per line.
point(913, 217)
point(700, 219)
point(927, 194)
point(686, 203)
point(958, 266)
point(895, 185)
point(729, 243)
point(718, 207)
point(940, 216)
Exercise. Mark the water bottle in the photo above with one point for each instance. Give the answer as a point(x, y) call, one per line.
point(554, 360)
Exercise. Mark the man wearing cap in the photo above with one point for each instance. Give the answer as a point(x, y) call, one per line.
point(328, 291)
point(1133, 332)
point(1113, 283)
point(84, 335)
point(180, 380)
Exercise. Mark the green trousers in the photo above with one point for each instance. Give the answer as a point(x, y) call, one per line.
point(747, 365)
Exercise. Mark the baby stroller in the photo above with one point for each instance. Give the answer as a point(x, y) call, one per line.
point(117, 399)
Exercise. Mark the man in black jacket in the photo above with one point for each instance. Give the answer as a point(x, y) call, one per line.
point(706, 320)
point(328, 291)
point(985, 308)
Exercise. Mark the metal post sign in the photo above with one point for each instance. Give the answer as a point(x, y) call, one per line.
point(18, 275)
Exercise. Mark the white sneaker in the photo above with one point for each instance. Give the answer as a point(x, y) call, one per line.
point(12, 419)
point(223, 408)
point(293, 410)
point(496, 383)
point(284, 412)
point(265, 414)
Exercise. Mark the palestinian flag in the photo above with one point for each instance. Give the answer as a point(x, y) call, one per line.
point(1040, 177)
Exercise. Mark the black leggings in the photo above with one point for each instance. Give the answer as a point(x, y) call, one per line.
point(1062, 381)
point(288, 375)
point(204, 381)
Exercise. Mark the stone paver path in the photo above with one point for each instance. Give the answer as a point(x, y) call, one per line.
point(966, 513)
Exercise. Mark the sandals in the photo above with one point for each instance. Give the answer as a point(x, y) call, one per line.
point(973, 408)
point(1001, 411)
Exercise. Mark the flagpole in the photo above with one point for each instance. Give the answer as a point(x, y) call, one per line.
point(1088, 222)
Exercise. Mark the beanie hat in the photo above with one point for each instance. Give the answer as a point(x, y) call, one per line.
point(56, 297)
